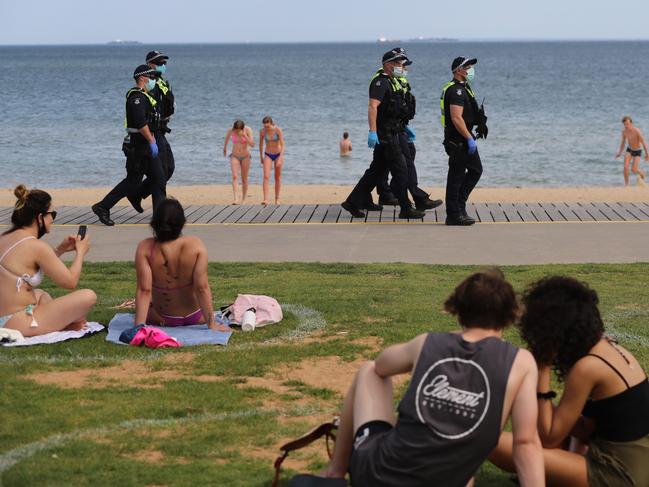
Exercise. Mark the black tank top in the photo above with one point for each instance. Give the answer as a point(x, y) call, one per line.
point(450, 417)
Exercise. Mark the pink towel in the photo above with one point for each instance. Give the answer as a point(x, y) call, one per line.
point(152, 337)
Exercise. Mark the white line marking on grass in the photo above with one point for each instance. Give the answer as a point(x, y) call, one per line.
point(12, 457)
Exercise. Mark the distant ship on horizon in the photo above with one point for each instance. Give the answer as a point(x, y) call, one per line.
point(382, 40)
point(120, 42)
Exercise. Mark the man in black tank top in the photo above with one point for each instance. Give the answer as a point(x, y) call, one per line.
point(463, 389)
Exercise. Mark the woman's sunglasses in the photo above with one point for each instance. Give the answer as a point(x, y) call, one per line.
point(53, 213)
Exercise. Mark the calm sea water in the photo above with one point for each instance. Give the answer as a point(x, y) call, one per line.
point(554, 109)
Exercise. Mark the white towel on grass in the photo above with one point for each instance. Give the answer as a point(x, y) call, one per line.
point(57, 336)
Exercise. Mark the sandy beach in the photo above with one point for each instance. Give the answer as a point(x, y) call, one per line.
point(320, 194)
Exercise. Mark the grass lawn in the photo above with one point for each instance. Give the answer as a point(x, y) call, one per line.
point(86, 412)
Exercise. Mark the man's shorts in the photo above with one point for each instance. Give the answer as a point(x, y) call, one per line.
point(366, 440)
point(634, 153)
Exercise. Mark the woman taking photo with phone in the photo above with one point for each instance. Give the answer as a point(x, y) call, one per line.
point(25, 259)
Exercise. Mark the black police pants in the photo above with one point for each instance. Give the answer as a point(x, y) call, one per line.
point(388, 156)
point(138, 164)
point(464, 171)
point(409, 150)
point(168, 165)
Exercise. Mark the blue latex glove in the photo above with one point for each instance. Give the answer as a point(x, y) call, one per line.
point(411, 134)
point(372, 140)
point(154, 149)
point(473, 146)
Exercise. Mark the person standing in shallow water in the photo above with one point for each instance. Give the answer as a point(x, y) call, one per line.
point(345, 145)
point(632, 136)
point(273, 138)
point(242, 138)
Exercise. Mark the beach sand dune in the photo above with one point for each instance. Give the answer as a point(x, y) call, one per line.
point(321, 194)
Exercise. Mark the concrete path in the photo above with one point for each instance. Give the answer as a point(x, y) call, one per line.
point(483, 243)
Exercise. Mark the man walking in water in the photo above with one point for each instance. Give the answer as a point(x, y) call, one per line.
point(345, 145)
point(634, 139)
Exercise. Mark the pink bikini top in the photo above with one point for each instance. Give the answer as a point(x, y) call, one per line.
point(241, 139)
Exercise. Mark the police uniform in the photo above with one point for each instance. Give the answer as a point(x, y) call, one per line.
point(141, 110)
point(464, 169)
point(166, 104)
point(389, 152)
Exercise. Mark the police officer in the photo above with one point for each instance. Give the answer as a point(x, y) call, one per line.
point(163, 94)
point(407, 138)
point(387, 110)
point(140, 147)
point(460, 113)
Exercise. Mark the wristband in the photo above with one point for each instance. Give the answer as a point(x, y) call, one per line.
point(546, 395)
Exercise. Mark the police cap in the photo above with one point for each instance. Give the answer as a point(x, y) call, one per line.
point(461, 61)
point(396, 54)
point(144, 70)
point(156, 57)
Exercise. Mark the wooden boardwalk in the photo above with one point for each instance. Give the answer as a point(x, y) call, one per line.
point(333, 213)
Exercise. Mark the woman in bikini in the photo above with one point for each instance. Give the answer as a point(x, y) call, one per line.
point(273, 137)
point(172, 285)
point(25, 259)
point(239, 157)
point(605, 398)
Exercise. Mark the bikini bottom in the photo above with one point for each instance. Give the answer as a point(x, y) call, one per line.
point(240, 158)
point(273, 157)
point(29, 310)
point(191, 319)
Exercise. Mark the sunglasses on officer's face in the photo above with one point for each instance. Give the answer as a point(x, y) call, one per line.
point(160, 63)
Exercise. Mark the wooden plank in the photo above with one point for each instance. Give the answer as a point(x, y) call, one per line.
point(472, 212)
point(643, 208)
point(123, 215)
point(190, 211)
point(305, 214)
point(525, 213)
point(278, 214)
point(622, 212)
point(76, 212)
point(538, 212)
point(236, 214)
point(225, 214)
point(482, 210)
point(389, 214)
point(599, 213)
point(263, 214)
point(333, 214)
point(212, 213)
point(567, 212)
point(511, 212)
point(319, 214)
point(497, 212)
point(6, 212)
point(200, 213)
point(552, 212)
point(630, 208)
point(84, 218)
point(440, 213)
point(578, 210)
point(291, 214)
point(252, 213)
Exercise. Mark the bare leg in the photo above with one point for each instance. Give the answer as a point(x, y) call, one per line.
point(369, 398)
point(55, 314)
point(637, 171)
point(562, 468)
point(278, 177)
point(266, 182)
point(245, 169)
point(234, 165)
point(627, 160)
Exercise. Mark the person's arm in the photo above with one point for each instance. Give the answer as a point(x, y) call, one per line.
point(146, 133)
point(53, 267)
point(261, 145)
point(527, 451)
point(249, 136)
point(144, 281)
point(619, 152)
point(458, 121)
point(555, 423)
point(280, 140)
point(399, 358)
point(225, 142)
point(372, 112)
point(202, 289)
point(644, 145)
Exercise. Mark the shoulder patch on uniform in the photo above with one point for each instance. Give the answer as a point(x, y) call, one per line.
point(459, 92)
point(137, 101)
point(378, 83)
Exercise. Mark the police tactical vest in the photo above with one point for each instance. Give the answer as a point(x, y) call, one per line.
point(395, 109)
point(166, 99)
point(411, 102)
point(152, 113)
point(443, 96)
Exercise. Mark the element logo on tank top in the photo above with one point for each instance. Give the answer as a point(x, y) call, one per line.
point(453, 397)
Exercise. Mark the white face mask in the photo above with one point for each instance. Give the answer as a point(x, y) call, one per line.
point(470, 74)
point(398, 71)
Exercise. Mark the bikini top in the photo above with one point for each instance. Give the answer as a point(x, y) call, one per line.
point(33, 281)
point(276, 137)
point(622, 417)
point(239, 140)
point(164, 289)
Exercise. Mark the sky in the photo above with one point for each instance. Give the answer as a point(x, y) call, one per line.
point(203, 21)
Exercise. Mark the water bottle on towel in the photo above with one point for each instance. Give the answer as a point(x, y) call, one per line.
point(249, 320)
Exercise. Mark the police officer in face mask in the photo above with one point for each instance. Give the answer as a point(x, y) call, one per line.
point(460, 113)
point(139, 146)
point(387, 110)
point(163, 94)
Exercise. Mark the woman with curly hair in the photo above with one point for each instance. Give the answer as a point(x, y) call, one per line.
point(25, 259)
point(605, 402)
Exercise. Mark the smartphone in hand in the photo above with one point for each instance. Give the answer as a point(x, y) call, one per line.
point(82, 231)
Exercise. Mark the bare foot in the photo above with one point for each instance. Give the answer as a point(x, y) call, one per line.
point(76, 326)
point(277, 202)
point(219, 327)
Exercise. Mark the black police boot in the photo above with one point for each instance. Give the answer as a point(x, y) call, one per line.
point(428, 204)
point(371, 206)
point(412, 213)
point(103, 214)
point(356, 212)
point(136, 203)
point(459, 220)
point(388, 201)
point(466, 216)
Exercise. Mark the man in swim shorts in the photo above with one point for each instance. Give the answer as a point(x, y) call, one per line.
point(634, 140)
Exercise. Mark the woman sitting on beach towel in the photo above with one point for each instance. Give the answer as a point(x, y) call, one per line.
point(242, 138)
point(605, 401)
point(273, 137)
point(172, 285)
point(25, 259)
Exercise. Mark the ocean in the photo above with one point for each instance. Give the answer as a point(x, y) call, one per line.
point(554, 109)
